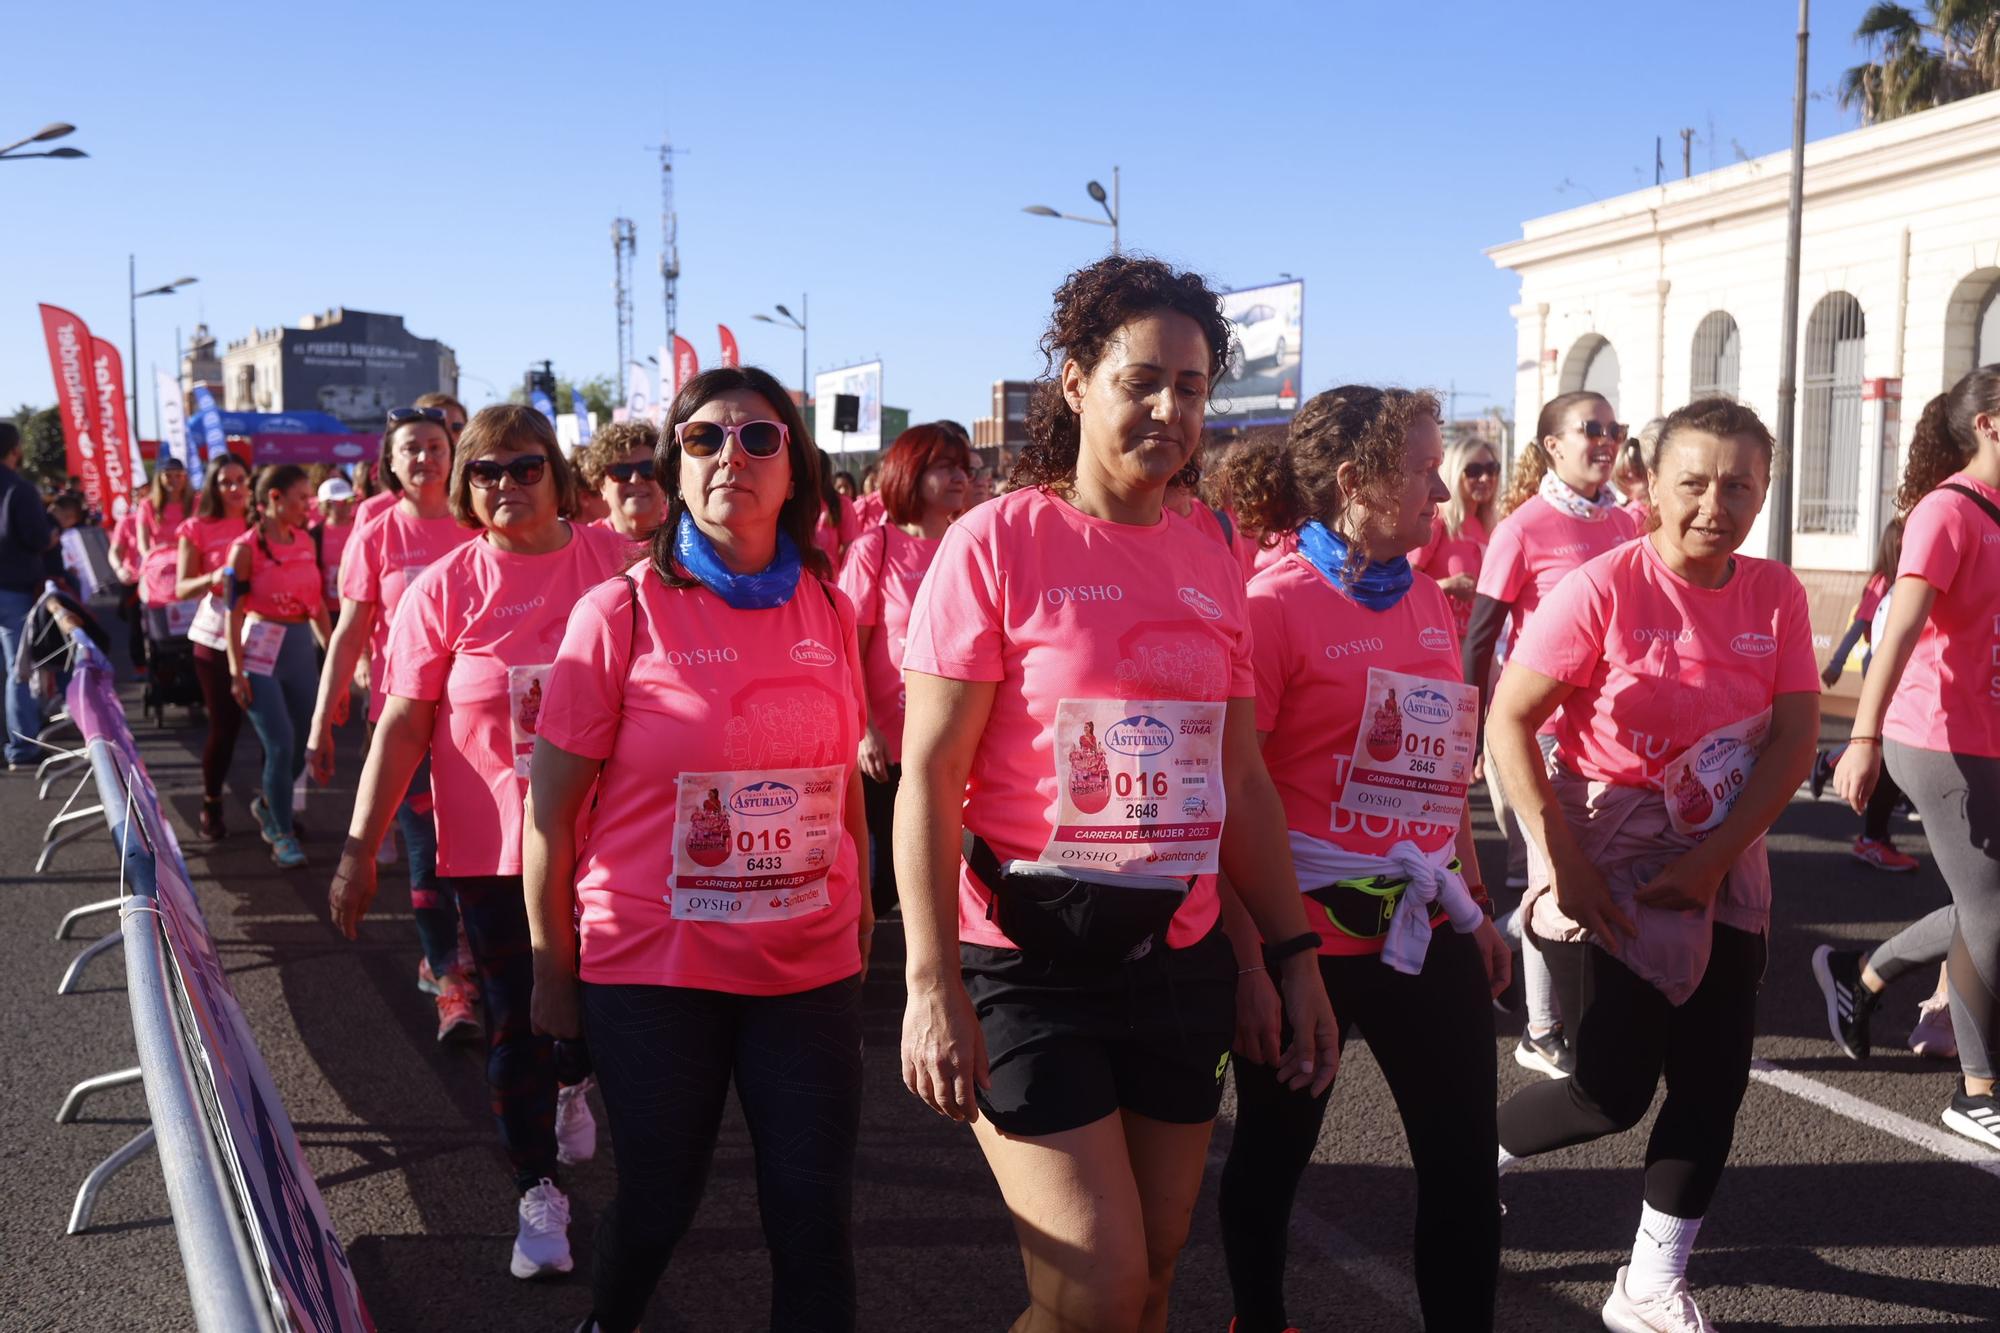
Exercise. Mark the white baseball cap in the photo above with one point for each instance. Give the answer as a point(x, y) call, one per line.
point(335, 488)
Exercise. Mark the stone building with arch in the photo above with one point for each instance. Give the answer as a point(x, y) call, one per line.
point(1670, 293)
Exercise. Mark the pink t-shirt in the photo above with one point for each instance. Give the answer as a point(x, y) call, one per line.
point(374, 505)
point(1659, 663)
point(159, 524)
point(1533, 547)
point(385, 554)
point(870, 510)
point(1264, 554)
point(1314, 648)
point(709, 691)
point(285, 583)
point(1871, 597)
point(1445, 555)
point(477, 633)
point(884, 568)
point(1949, 697)
point(333, 539)
point(1053, 604)
point(1639, 512)
point(636, 546)
point(833, 540)
point(211, 538)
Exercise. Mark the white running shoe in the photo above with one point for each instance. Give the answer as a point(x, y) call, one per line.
point(541, 1246)
point(1933, 1036)
point(1674, 1312)
point(576, 1127)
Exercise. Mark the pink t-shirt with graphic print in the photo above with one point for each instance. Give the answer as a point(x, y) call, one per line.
point(884, 569)
point(1658, 663)
point(1949, 697)
point(1052, 604)
point(1314, 647)
point(383, 557)
point(285, 580)
point(476, 633)
point(707, 689)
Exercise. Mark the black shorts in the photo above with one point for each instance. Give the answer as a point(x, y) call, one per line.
point(1067, 1044)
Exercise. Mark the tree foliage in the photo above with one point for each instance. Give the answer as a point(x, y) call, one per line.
point(1923, 59)
point(44, 452)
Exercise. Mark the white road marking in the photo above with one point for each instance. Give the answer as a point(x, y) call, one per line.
point(1931, 1138)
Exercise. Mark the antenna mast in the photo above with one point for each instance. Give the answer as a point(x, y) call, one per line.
point(624, 250)
point(670, 251)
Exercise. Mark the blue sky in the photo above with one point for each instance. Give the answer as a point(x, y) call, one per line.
point(460, 164)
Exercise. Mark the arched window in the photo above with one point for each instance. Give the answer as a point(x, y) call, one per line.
point(1718, 358)
point(1592, 365)
point(1830, 435)
point(1986, 336)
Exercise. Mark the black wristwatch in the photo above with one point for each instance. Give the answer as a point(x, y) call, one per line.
point(1275, 954)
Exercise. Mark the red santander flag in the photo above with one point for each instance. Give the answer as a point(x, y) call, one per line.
point(730, 356)
point(114, 426)
point(686, 367)
point(70, 357)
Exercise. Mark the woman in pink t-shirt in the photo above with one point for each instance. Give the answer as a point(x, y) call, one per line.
point(468, 662)
point(165, 506)
point(386, 553)
point(703, 918)
point(1682, 683)
point(277, 624)
point(924, 479)
point(1080, 700)
point(1459, 533)
point(1930, 708)
point(1369, 735)
point(203, 543)
point(1561, 510)
point(617, 467)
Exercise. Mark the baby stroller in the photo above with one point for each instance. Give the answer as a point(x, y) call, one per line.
point(170, 678)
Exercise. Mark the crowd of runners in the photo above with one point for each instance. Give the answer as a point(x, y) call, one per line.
point(1162, 754)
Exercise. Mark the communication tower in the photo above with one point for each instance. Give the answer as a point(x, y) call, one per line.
point(624, 250)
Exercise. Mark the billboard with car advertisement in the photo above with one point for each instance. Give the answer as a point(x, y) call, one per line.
point(1261, 384)
point(863, 382)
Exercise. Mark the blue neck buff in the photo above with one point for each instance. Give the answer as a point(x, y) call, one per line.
point(1380, 585)
point(768, 587)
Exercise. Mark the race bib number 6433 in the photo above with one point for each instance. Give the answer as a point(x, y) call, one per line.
point(755, 846)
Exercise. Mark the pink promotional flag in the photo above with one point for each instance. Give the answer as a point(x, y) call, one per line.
point(686, 367)
point(114, 426)
point(730, 356)
point(69, 357)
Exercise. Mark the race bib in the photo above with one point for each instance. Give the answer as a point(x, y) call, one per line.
point(181, 616)
point(1138, 786)
point(1413, 751)
point(261, 640)
point(1701, 785)
point(208, 628)
point(524, 710)
point(755, 846)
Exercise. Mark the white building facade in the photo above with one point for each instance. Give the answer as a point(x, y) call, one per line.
point(1668, 294)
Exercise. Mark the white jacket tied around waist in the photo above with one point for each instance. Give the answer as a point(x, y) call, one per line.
point(1431, 885)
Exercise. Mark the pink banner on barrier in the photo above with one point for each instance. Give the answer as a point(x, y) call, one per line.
point(309, 449)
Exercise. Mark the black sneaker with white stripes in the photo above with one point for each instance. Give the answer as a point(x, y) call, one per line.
point(1978, 1118)
point(1849, 1004)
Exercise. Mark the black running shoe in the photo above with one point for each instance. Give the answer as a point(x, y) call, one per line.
point(1822, 773)
point(1849, 1004)
point(1978, 1118)
point(1548, 1054)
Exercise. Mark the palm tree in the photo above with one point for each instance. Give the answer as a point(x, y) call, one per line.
point(1950, 50)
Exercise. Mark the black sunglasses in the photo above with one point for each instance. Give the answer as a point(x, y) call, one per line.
point(641, 471)
point(1477, 471)
point(526, 471)
point(398, 415)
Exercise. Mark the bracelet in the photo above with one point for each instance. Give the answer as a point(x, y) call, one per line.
point(1864, 740)
point(1297, 944)
point(1246, 971)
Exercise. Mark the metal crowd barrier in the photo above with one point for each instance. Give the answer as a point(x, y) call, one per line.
point(257, 1247)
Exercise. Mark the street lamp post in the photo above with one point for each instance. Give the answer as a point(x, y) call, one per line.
point(1788, 365)
point(798, 322)
point(43, 135)
point(1096, 192)
point(132, 308)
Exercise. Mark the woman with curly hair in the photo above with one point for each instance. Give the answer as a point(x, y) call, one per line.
point(1561, 510)
point(617, 467)
point(1070, 984)
point(1374, 795)
point(1927, 710)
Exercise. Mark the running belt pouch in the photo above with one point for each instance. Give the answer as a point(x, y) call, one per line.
point(1053, 913)
point(1361, 914)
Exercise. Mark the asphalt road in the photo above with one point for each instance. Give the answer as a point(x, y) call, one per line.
point(1824, 1220)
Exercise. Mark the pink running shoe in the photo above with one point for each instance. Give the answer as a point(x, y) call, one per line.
point(458, 1020)
point(1879, 853)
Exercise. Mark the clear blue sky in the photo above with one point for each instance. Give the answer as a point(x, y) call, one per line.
point(460, 164)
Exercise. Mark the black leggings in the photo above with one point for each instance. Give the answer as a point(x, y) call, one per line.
point(1628, 1036)
point(225, 719)
point(665, 1058)
point(1432, 1035)
point(1881, 804)
point(520, 1063)
point(879, 799)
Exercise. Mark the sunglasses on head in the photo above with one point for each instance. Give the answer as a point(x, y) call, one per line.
point(759, 439)
point(526, 471)
point(1481, 471)
point(641, 471)
point(1597, 430)
point(399, 415)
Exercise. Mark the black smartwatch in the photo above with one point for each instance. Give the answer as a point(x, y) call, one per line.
point(1275, 954)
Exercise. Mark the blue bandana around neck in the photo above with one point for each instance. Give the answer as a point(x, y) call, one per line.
point(1381, 583)
point(771, 586)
